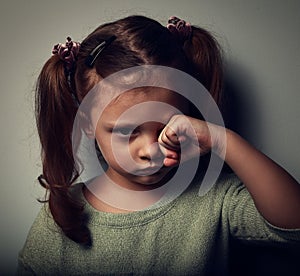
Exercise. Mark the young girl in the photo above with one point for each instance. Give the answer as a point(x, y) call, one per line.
point(79, 233)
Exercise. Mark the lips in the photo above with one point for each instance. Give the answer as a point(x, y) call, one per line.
point(148, 171)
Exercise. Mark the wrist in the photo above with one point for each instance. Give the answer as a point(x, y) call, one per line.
point(218, 136)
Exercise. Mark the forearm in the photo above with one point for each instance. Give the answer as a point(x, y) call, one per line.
point(276, 193)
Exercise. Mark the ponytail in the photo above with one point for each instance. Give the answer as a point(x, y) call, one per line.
point(55, 113)
point(204, 55)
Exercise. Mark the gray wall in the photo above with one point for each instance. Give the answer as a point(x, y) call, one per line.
point(261, 42)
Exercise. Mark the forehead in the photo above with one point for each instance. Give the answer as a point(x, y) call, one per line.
point(162, 101)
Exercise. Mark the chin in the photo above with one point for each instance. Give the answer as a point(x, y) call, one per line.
point(157, 179)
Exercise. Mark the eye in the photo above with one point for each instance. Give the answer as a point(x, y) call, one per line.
point(125, 131)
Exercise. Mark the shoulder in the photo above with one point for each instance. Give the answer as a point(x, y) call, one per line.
point(43, 248)
point(43, 244)
point(217, 199)
point(225, 186)
point(44, 223)
point(226, 196)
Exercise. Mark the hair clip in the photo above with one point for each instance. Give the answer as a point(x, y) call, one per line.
point(178, 27)
point(91, 59)
point(67, 52)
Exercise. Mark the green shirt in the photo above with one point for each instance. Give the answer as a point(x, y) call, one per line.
point(188, 236)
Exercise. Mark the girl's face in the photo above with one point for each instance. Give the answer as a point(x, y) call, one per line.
point(127, 134)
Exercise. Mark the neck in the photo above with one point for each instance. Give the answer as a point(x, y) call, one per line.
point(108, 196)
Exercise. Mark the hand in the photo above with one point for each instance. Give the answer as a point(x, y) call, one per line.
point(184, 138)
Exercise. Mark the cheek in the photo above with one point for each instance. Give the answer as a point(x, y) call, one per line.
point(118, 154)
point(104, 144)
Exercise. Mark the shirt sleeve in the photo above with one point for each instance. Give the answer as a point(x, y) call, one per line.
point(246, 223)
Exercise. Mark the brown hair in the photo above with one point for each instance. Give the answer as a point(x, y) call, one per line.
point(139, 41)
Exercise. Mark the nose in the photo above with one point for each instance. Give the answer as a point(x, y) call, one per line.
point(149, 149)
point(151, 152)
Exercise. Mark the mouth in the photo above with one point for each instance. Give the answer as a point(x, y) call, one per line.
point(149, 171)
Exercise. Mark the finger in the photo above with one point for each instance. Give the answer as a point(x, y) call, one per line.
point(169, 153)
point(171, 135)
point(168, 162)
point(169, 140)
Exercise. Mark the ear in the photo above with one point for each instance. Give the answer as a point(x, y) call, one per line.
point(84, 125)
point(89, 131)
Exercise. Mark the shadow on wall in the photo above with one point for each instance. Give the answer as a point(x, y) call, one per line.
point(241, 109)
point(242, 115)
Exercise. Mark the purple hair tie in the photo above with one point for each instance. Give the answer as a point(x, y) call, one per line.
point(178, 27)
point(67, 52)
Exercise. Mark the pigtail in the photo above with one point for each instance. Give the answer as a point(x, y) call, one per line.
point(205, 58)
point(55, 113)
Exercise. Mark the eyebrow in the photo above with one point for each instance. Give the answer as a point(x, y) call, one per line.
point(112, 125)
